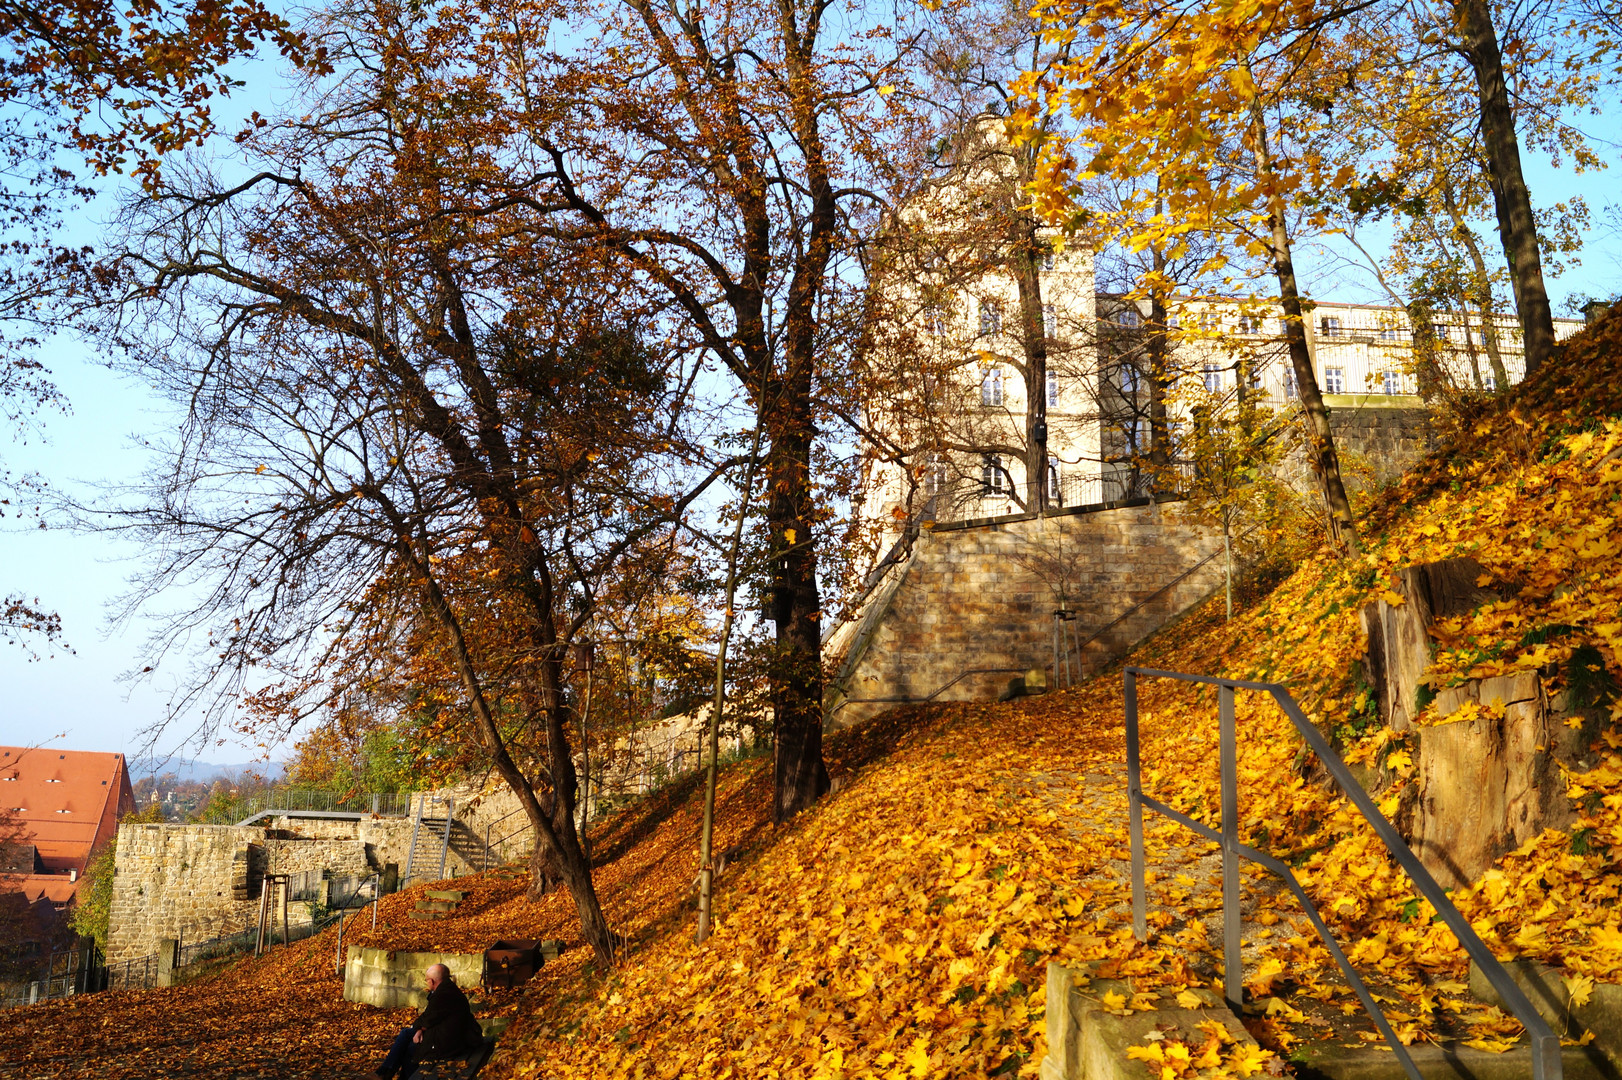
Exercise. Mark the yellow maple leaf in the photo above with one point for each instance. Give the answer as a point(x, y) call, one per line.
point(1249, 1060)
point(917, 1059)
point(1581, 988)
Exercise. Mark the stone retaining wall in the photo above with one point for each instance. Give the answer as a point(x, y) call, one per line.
point(984, 596)
point(1377, 437)
point(393, 980)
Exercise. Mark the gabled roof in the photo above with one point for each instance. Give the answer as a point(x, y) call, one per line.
point(67, 801)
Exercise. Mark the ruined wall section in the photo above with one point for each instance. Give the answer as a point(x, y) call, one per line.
point(195, 882)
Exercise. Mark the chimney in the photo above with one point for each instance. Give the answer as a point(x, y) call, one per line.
point(73, 874)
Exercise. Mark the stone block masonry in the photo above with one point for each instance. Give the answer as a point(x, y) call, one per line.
point(393, 980)
point(973, 606)
point(194, 882)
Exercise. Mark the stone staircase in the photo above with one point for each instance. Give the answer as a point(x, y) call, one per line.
point(1088, 1038)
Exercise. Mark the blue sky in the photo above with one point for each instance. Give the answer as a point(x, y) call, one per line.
point(77, 699)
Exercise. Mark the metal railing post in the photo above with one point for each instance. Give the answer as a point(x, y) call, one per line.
point(1134, 794)
point(1233, 977)
point(1545, 1045)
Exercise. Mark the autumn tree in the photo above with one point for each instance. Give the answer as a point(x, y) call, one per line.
point(408, 400)
point(116, 89)
point(1428, 163)
point(1215, 110)
point(733, 156)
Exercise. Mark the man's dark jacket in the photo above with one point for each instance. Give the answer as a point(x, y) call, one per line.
point(447, 1024)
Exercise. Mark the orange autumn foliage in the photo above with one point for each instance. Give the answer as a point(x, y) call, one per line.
point(901, 928)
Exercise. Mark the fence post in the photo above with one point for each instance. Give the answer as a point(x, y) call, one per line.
point(1134, 810)
point(1233, 976)
point(168, 960)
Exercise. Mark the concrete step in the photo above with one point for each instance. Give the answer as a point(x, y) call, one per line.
point(453, 895)
point(1087, 1042)
point(1325, 1061)
point(436, 905)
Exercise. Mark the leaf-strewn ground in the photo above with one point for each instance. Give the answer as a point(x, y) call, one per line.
point(902, 927)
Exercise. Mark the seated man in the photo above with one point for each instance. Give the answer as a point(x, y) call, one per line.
point(445, 1028)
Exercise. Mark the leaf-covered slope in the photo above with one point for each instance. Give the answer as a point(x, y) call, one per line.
point(900, 929)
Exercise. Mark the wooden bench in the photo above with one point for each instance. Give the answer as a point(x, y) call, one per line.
point(464, 1066)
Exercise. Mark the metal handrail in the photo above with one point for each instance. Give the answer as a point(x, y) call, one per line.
point(1545, 1044)
point(488, 846)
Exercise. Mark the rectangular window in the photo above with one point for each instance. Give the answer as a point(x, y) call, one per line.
point(1055, 492)
point(1440, 330)
point(1390, 333)
point(1129, 318)
point(1330, 325)
point(991, 475)
point(1254, 371)
point(1131, 378)
point(991, 388)
point(1335, 380)
point(935, 321)
point(1213, 379)
point(1391, 382)
point(990, 318)
point(1290, 390)
point(935, 479)
point(1210, 320)
point(1250, 324)
point(1490, 381)
point(1049, 257)
point(1050, 321)
point(1053, 388)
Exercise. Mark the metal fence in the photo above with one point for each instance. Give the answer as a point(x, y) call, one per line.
point(82, 971)
point(382, 803)
point(1545, 1044)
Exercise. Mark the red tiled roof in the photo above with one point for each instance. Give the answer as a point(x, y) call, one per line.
point(53, 887)
point(68, 802)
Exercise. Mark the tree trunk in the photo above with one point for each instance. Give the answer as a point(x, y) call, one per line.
point(1483, 298)
point(557, 844)
point(1026, 262)
point(1320, 438)
point(1513, 202)
point(799, 774)
point(706, 835)
point(1155, 348)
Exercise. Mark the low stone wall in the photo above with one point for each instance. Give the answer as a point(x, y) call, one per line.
point(393, 980)
point(983, 596)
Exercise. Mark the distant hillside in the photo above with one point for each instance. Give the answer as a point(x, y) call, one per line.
point(140, 768)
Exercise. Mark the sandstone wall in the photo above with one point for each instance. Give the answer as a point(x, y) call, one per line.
point(983, 596)
point(393, 980)
point(194, 882)
point(1377, 443)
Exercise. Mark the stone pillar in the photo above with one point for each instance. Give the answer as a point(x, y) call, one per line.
point(168, 960)
point(391, 879)
point(323, 893)
point(33, 993)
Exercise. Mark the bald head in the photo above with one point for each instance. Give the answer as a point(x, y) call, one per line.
point(436, 974)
